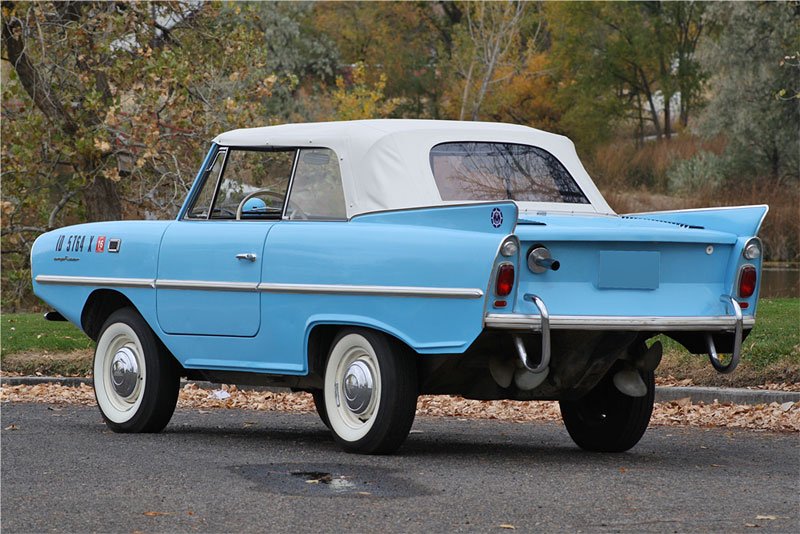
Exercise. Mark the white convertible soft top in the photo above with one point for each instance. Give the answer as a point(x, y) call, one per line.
point(385, 163)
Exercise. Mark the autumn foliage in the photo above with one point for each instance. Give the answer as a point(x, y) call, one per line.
point(108, 107)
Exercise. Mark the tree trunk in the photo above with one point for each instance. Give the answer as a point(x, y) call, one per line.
point(640, 127)
point(652, 104)
point(684, 110)
point(43, 95)
point(467, 83)
point(102, 201)
point(667, 116)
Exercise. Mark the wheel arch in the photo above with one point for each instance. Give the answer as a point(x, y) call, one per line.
point(320, 335)
point(98, 307)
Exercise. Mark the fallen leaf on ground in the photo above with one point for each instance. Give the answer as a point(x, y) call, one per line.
point(773, 417)
point(767, 517)
point(155, 514)
point(508, 526)
point(11, 427)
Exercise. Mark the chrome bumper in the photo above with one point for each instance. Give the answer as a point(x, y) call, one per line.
point(544, 322)
point(516, 321)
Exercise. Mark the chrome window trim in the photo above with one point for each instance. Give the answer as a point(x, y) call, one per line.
point(291, 183)
point(515, 321)
point(389, 291)
point(218, 182)
point(94, 281)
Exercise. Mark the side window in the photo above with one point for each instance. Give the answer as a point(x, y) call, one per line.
point(253, 185)
point(498, 171)
point(317, 187)
point(202, 203)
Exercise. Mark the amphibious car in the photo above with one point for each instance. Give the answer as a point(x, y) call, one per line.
point(369, 262)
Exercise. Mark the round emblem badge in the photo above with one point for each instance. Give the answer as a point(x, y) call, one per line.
point(497, 217)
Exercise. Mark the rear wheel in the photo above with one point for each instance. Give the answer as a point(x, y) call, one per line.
point(606, 420)
point(136, 380)
point(370, 393)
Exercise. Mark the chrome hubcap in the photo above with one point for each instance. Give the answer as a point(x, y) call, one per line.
point(124, 372)
point(358, 386)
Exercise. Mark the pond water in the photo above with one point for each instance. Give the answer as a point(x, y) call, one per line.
point(780, 282)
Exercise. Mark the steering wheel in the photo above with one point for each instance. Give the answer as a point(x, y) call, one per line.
point(264, 192)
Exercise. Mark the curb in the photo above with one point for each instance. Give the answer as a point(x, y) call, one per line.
point(707, 395)
point(710, 395)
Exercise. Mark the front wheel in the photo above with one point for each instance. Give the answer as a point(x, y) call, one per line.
point(370, 392)
point(607, 420)
point(136, 380)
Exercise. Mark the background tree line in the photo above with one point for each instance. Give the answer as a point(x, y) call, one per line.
point(108, 107)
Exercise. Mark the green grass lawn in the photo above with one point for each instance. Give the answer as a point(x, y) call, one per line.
point(775, 342)
point(24, 332)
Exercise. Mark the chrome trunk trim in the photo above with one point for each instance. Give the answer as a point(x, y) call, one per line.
point(515, 321)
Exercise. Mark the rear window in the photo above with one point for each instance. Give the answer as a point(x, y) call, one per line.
point(501, 171)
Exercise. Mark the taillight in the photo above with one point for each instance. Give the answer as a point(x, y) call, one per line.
point(505, 280)
point(747, 281)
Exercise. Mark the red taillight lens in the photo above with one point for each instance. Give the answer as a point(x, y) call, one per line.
point(747, 281)
point(505, 280)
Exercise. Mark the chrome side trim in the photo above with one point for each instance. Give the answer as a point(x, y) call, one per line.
point(206, 285)
point(94, 281)
point(515, 321)
point(388, 291)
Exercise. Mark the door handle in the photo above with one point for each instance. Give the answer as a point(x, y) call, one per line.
point(249, 256)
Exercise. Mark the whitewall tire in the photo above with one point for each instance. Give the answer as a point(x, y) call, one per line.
point(135, 379)
point(370, 392)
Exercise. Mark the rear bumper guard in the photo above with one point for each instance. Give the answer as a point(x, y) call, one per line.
point(544, 322)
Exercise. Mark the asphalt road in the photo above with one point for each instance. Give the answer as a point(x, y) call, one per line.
point(232, 471)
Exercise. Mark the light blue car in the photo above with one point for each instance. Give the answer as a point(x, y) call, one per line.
point(369, 262)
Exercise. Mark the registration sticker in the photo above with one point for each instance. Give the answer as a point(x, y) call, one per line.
point(101, 244)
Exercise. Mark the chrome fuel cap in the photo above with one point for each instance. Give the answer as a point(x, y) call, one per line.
point(358, 387)
point(124, 372)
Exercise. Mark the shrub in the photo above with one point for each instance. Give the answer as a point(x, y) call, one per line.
point(703, 171)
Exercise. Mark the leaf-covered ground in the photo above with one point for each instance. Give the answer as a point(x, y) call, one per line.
point(763, 417)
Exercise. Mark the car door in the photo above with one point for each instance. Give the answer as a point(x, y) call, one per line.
point(210, 261)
